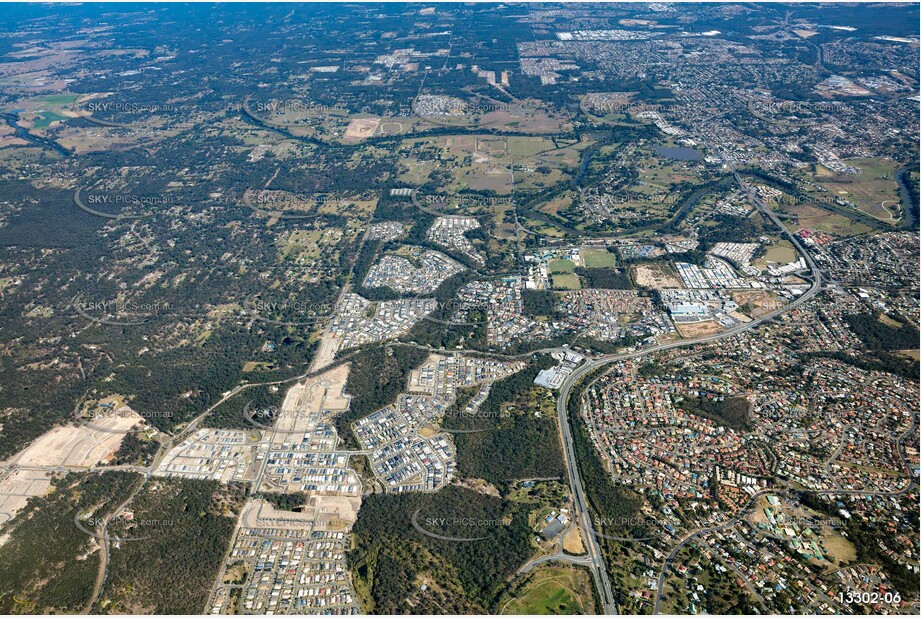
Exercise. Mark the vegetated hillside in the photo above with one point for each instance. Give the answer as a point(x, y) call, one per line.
point(883, 335)
point(878, 335)
point(448, 332)
point(286, 502)
point(136, 450)
point(180, 357)
point(537, 303)
point(377, 375)
point(47, 564)
point(392, 558)
point(729, 412)
point(606, 278)
point(723, 597)
point(183, 529)
point(864, 534)
point(207, 371)
point(509, 441)
point(728, 228)
point(260, 403)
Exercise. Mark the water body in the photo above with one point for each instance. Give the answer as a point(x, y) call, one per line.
point(681, 154)
point(587, 155)
point(909, 206)
point(22, 132)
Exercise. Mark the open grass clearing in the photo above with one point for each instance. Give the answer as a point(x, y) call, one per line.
point(553, 591)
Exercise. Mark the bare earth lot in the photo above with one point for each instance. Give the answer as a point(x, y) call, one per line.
point(68, 447)
point(655, 276)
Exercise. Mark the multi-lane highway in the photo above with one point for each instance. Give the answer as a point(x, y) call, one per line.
point(599, 572)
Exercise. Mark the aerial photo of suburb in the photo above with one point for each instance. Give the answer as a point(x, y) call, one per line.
point(437, 308)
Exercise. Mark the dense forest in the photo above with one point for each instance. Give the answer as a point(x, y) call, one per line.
point(507, 440)
point(184, 527)
point(878, 361)
point(136, 450)
point(884, 336)
point(259, 404)
point(731, 412)
point(392, 557)
point(47, 563)
point(606, 278)
point(728, 228)
point(539, 303)
point(878, 336)
point(286, 502)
